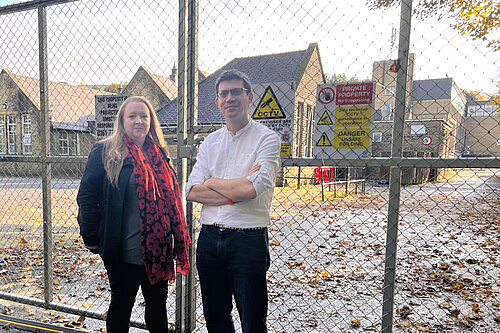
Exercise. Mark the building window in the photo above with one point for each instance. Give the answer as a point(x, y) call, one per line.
point(386, 112)
point(389, 91)
point(68, 144)
point(309, 131)
point(482, 110)
point(377, 136)
point(26, 132)
point(418, 129)
point(11, 134)
point(298, 129)
point(3, 148)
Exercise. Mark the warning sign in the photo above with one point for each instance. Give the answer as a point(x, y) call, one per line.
point(326, 95)
point(351, 138)
point(324, 141)
point(355, 93)
point(343, 120)
point(285, 149)
point(325, 119)
point(274, 105)
point(353, 116)
point(268, 107)
point(106, 108)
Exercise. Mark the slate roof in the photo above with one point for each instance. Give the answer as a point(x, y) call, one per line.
point(432, 89)
point(281, 67)
point(67, 103)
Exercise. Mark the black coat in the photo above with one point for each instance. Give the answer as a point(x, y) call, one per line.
point(100, 205)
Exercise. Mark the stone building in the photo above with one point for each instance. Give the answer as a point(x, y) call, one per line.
point(296, 74)
point(71, 109)
point(158, 89)
point(434, 115)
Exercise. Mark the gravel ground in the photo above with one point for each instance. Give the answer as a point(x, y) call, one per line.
point(327, 272)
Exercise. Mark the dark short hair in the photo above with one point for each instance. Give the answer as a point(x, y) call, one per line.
point(232, 74)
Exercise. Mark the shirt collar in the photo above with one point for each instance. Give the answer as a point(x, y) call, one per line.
point(243, 130)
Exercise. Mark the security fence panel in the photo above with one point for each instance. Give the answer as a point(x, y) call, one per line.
point(21, 238)
point(385, 215)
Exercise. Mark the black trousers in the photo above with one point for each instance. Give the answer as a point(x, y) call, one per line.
point(124, 280)
point(233, 263)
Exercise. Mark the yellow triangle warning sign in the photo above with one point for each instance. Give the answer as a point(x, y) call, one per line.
point(268, 107)
point(325, 119)
point(324, 141)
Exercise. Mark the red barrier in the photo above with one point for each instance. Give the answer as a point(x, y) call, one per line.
point(328, 174)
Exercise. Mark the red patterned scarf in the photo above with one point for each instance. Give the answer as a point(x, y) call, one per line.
point(161, 213)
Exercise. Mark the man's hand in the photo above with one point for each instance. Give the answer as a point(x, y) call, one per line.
point(254, 169)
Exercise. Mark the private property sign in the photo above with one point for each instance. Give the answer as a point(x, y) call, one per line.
point(354, 93)
point(343, 120)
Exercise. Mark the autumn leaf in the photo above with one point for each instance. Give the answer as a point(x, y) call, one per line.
point(355, 322)
point(405, 311)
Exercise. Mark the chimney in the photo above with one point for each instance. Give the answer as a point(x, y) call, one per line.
point(173, 76)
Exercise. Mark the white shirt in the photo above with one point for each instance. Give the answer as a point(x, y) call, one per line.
point(226, 155)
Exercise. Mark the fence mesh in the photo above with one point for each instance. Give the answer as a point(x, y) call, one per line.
point(328, 79)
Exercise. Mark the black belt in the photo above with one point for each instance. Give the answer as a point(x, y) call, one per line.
point(224, 226)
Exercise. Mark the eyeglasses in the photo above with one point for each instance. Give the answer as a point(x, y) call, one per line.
point(234, 92)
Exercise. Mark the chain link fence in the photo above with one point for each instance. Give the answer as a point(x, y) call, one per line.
point(386, 211)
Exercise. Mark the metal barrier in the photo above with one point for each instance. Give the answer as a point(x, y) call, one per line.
point(416, 253)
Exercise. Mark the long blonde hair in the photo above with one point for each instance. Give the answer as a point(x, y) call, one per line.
point(115, 151)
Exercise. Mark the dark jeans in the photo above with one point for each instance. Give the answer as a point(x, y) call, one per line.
point(233, 262)
point(125, 280)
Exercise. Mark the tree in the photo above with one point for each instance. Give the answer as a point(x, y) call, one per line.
point(113, 88)
point(340, 78)
point(472, 95)
point(495, 99)
point(479, 19)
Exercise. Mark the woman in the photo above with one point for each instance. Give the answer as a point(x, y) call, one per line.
point(129, 210)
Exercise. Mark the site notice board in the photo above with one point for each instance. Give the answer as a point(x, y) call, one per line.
point(106, 108)
point(343, 120)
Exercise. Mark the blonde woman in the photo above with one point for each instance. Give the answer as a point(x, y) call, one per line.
point(130, 212)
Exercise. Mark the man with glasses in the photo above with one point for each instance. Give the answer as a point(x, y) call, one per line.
point(234, 179)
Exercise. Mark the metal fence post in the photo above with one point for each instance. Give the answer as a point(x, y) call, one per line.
point(181, 162)
point(395, 171)
point(191, 119)
point(187, 99)
point(45, 145)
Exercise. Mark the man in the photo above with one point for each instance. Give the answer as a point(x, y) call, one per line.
point(234, 179)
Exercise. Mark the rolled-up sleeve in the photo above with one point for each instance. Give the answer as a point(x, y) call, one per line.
point(268, 155)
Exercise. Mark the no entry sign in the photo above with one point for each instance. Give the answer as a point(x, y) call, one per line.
point(326, 95)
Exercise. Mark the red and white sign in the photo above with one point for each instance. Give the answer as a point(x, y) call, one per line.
point(326, 95)
point(355, 93)
point(426, 140)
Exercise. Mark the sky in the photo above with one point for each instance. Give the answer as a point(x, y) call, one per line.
point(106, 41)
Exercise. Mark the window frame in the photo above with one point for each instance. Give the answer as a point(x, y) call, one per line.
point(26, 132)
point(11, 131)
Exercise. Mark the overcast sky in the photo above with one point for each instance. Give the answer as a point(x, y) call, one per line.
point(106, 41)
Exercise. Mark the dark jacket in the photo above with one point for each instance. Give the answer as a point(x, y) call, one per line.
point(100, 205)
